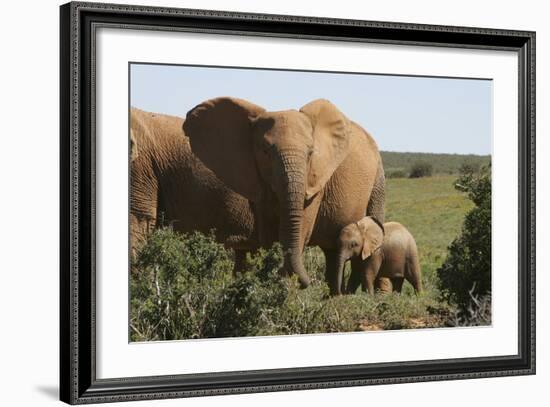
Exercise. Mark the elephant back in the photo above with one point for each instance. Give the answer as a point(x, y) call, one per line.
point(158, 134)
point(178, 186)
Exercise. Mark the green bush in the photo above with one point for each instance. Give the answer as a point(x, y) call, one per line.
point(181, 287)
point(248, 306)
point(421, 169)
point(260, 302)
point(469, 167)
point(466, 273)
point(174, 277)
point(314, 263)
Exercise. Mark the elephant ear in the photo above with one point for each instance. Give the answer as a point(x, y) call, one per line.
point(331, 140)
point(219, 132)
point(133, 146)
point(373, 235)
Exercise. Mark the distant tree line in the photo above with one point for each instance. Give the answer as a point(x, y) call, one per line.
point(414, 165)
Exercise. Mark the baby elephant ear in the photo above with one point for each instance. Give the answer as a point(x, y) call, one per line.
point(373, 235)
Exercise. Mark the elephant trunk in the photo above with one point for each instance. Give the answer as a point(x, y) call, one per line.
point(291, 197)
point(339, 278)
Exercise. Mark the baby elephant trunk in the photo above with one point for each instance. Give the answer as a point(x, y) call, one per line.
point(337, 286)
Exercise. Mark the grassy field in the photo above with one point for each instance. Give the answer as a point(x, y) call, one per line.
point(433, 210)
point(182, 286)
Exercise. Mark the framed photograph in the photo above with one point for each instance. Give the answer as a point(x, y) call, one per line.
point(255, 203)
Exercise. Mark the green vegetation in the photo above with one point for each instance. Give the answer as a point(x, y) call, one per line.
point(182, 285)
point(171, 301)
point(396, 174)
point(465, 276)
point(398, 165)
point(421, 169)
point(172, 280)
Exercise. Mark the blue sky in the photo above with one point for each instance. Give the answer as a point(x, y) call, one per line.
point(415, 114)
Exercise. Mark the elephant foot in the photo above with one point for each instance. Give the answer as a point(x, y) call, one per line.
point(282, 272)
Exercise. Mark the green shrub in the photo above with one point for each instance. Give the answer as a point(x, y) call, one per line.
point(421, 169)
point(469, 167)
point(466, 273)
point(181, 287)
point(248, 306)
point(313, 311)
point(174, 277)
point(260, 302)
point(314, 263)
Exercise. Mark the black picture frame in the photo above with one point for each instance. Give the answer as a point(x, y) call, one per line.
point(78, 382)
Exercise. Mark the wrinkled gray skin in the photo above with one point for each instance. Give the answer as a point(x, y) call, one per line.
point(168, 180)
point(308, 172)
point(381, 257)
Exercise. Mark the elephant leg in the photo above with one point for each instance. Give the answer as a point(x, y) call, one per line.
point(333, 273)
point(362, 274)
point(413, 275)
point(353, 283)
point(375, 207)
point(240, 262)
point(397, 284)
point(384, 285)
point(140, 229)
point(354, 279)
point(368, 270)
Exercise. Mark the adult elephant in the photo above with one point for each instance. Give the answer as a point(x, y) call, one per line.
point(168, 181)
point(309, 173)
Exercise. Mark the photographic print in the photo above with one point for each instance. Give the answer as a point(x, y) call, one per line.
point(270, 202)
point(255, 202)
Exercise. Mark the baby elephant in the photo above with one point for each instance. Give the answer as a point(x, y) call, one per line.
point(380, 255)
